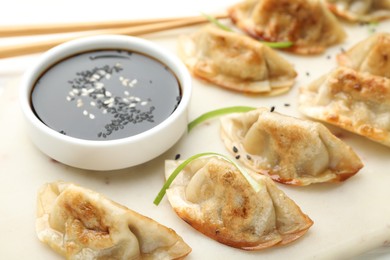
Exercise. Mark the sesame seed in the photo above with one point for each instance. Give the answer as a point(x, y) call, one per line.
point(91, 116)
point(85, 112)
point(235, 150)
point(272, 109)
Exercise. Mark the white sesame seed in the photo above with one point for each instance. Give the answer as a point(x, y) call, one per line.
point(132, 105)
point(101, 72)
point(91, 116)
point(108, 101)
point(68, 98)
point(137, 99)
point(96, 76)
point(144, 103)
point(104, 111)
point(99, 96)
point(75, 91)
point(99, 85)
point(85, 112)
point(90, 90)
point(92, 103)
point(71, 94)
point(126, 93)
point(80, 103)
point(121, 78)
point(108, 76)
point(108, 94)
point(132, 83)
point(125, 100)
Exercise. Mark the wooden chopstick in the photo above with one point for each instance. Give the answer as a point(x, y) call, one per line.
point(13, 50)
point(25, 30)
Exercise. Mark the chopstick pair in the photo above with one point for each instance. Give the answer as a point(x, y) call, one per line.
point(135, 28)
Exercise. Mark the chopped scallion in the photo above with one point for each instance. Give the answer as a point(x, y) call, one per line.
point(254, 184)
point(215, 21)
point(218, 112)
point(279, 45)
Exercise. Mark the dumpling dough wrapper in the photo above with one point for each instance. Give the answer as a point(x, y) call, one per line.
point(213, 197)
point(308, 24)
point(82, 224)
point(289, 150)
point(236, 62)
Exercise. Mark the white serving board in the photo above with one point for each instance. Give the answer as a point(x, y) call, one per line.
point(350, 218)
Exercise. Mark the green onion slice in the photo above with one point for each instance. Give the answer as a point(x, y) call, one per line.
point(254, 184)
point(215, 21)
point(278, 45)
point(218, 112)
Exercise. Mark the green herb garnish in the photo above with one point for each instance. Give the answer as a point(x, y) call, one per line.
point(215, 21)
point(218, 112)
point(254, 184)
point(276, 45)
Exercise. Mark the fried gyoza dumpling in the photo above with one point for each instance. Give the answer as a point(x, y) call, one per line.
point(212, 196)
point(361, 10)
point(355, 101)
point(235, 61)
point(371, 55)
point(81, 224)
point(307, 23)
point(289, 150)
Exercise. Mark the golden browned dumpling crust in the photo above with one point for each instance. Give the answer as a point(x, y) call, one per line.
point(289, 150)
point(212, 196)
point(81, 224)
point(355, 101)
point(371, 55)
point(235, 61)
point(361, 10)
point(307, 23)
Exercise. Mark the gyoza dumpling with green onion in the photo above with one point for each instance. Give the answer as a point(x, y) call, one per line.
point(215, 198)
point(235, 61)
point(289, 150)
point(307, 23)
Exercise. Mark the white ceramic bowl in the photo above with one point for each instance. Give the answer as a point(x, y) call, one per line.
point(107, 154)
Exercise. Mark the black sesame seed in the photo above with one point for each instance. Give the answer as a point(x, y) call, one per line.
point(286, 104)
point(235, 150)
point(238, 157)
point(248, 157)
point(177, 156)
point(272, 109)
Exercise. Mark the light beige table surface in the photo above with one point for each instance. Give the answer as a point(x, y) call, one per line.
point(349, 218)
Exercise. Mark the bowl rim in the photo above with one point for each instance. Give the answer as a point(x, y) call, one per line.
point(91, 43)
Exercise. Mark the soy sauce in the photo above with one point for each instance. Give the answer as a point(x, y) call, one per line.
point(105, 94)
